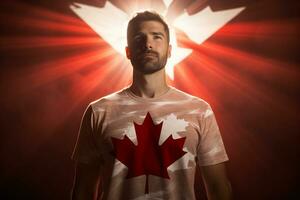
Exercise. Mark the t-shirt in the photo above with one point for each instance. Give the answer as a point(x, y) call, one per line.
point(149, 148)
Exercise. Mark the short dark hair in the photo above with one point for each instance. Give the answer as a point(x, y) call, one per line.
point(145, 16)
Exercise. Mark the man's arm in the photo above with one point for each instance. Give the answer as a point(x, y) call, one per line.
point(86, 182)
point(216, 182)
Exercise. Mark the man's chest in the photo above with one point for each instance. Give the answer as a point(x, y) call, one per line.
point(162, 134)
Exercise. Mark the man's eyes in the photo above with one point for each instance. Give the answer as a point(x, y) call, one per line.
point(157, 37)
point(139, 38)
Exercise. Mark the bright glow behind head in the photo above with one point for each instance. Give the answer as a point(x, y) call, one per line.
point(110, 23)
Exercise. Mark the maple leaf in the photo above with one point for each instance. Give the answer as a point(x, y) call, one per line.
point(148, 157)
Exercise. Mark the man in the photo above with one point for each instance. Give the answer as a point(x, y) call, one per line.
point(145, 141)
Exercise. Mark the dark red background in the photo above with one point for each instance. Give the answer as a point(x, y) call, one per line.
point(248, 71)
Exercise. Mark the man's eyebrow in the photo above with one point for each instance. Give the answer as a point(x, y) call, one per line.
point(138, 33)
point(153, 33)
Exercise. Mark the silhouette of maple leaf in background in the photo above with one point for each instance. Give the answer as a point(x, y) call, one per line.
point(198, 27)
point(148, 157)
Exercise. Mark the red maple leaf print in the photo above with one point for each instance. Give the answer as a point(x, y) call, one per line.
point(148, 157)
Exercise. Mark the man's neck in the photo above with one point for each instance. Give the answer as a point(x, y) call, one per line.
point(149, 85)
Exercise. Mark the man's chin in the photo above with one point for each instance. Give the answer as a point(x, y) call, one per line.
point(149, 69)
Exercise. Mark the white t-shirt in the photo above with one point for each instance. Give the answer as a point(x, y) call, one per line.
point(148, 148)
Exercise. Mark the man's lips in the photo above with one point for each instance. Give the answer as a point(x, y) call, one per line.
point(149, 55)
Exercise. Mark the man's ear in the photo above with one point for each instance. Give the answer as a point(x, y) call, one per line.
point(128, 54)
point(169, 51)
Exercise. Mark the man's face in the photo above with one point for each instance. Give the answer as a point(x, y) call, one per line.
point(149, 48)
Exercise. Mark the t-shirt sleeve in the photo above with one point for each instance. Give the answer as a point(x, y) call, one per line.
point(211, 148)
point(86, 150)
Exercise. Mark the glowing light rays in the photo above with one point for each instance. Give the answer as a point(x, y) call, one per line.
point(207, 59)
point(263, 69)
point(258, 63)
point(46, 73)
point(54, 70)
point(191, 82)
point(198, 27)
point(221, 76)
point(242, 72)
point(268, 29)
point(38, 24)
point(54, 65)
point(91, 81)
point(39, 12)
point(21, 42)
point(40, 19)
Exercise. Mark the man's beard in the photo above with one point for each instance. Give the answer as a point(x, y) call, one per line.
point(149, 62)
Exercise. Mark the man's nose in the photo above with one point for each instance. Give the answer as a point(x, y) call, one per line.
point(148, 43)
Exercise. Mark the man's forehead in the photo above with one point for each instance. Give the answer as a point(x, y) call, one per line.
point(152, 26)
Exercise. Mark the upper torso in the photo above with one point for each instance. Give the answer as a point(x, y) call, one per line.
point(160, 139)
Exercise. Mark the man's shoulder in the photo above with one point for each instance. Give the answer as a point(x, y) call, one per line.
point(108, 100)
point(189, 97)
